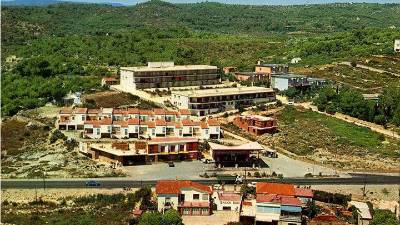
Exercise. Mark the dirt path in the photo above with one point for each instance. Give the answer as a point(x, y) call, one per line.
point(370, 68)
point(375, 127)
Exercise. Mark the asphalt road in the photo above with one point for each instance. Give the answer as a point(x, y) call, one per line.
point(123, 182)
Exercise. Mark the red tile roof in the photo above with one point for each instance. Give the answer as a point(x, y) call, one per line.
point(120, 111)
point(268, 198)
point(175, 186)
point(187, 123)
point(93, 111)
point(133, 121)
point(121, 123)
point(203, 125)
point(184, 112)
point(80, 110)
point(65, 111)
point(171, 124)
point(213, 122)
point(97, 123)
point(290, 201)
point(161, 123)
point(133, 111)
point(159, 111)
point(303, 192)
point(229, 196)
point(171, 112)
point(146, 112)
point(275, 188)
point(150, 124)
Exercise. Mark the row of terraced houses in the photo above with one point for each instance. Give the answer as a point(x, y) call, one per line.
point(130, 136)
point(274, 203)
point(135, 123)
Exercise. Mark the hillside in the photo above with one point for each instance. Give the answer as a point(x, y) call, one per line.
point(72, 45)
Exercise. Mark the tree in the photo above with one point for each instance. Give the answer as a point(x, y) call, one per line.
point(172, 217)
point(151, 218)
point(384, 217)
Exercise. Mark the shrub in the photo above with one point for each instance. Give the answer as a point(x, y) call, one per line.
point(264, 174)
point(55, 135)
point(257, 174)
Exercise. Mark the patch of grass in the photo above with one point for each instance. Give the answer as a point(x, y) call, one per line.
point(306, 131)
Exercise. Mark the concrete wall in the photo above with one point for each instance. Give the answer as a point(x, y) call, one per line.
point(280, 83)
point(126, 80)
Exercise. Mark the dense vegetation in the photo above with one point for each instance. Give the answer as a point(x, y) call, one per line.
point(351, 102)
point(49, 51)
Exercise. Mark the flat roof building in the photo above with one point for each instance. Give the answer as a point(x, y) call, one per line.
point(283, 81)
point(207, 101)
point(267, 68)
point(255, 124)
point(167, 74)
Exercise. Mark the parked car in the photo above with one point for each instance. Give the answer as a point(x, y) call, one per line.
point(93, 183)
point(208, 161)
point(252, 184)
point(171, 164)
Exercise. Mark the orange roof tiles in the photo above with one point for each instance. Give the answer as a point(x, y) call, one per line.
point(80, 110)
point(226, 196)
point(275, 188)
point(159, 111)
point(213, 122)
point(146, 112)
point(133, 121)
point(268, 198)
point(303, 192)
point(110, 79)
point(120, 111)
point(133, 111)
point(150, 124)
point(65, 111)
point(175, 186)
point(121, 123)
point(171, 113)
point(290, 201)
point(187, 123)
point(97, 123)
point(203, 125)
point(93, 111)
point(161, 123)
point(184, 112)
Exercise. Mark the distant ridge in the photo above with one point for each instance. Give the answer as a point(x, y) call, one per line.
point(51, 2)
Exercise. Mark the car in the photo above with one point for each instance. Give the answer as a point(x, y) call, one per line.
point(252, 184)
point(93, 183)
point(290, 103)
point(171, 164)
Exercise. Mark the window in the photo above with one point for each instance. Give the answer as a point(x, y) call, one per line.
point(206, 131)
point(83, 117)
point(180, 132)
point(205, 197)
point(109, 129)
point(153, 132)
point(163, 129)
point(126, 131)
point(98, 131)
point(196, 196)
point(136, 129)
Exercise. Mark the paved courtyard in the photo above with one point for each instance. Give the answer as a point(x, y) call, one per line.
point(218, 218)
point(156, 171)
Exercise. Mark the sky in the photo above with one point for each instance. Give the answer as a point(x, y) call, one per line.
point(248, 2)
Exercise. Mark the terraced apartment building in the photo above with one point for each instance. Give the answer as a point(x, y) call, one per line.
point(207, 101)
point(136, 123)
point(167, 74)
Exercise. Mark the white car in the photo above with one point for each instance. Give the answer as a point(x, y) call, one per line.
point(252, 184)
point(290, 103)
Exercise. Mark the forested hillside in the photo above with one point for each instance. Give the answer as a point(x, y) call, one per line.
point(55, 49)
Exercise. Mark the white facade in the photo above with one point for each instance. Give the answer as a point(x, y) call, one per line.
point(227, 201)
point(397, 45)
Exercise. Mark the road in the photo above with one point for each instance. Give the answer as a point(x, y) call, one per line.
point(370, 68)
point(126, 182)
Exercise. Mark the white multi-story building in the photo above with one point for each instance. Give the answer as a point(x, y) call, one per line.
point(283, 81)
point(167, 74)
point(207, 101)
point(135, 123)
